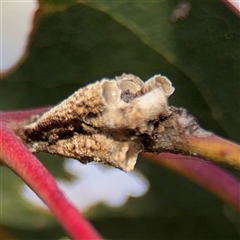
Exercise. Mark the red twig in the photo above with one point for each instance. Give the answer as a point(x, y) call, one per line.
point(207, 175)
point(17, 157)
point(233, 6)
point(15, 118)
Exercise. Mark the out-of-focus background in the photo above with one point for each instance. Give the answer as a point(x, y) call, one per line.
point(47, 56)
point(16, 25)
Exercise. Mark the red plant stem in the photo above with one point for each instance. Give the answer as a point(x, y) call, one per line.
point(14, 118)
point(207, 175)
point(232, 6)
point(22, 114)
point(17, 157)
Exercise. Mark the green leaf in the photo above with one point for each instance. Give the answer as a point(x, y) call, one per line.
point(76, 44)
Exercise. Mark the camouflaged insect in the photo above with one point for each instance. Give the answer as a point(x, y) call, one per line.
point(103, 122)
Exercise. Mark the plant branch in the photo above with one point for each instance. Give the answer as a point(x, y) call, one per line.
point(180, 133)
point(15, 120)
point(207, 175)
point(18, 158)
point(213, 149)
point(90, 126)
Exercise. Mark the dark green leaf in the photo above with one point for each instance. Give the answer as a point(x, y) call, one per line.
point(77, 44)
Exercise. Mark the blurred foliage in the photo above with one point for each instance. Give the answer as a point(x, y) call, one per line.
point(76, 44)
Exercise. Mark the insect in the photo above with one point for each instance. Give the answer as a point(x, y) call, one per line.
point(104, 121)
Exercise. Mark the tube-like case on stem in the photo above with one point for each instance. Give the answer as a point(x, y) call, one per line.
point(104, 121)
